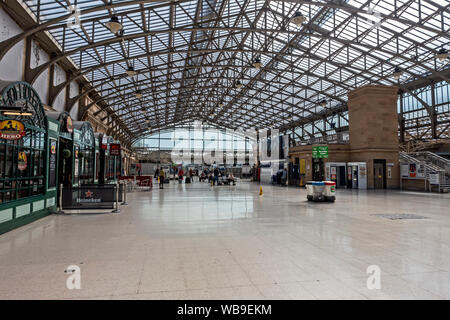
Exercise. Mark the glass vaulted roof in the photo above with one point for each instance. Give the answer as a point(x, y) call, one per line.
point(189, 55)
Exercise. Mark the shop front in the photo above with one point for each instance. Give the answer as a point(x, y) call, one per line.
point(110, 163)
point(84, 153)
point(27, 164)
point(62, 146)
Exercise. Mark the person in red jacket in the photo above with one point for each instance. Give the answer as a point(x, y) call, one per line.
point(180, 175)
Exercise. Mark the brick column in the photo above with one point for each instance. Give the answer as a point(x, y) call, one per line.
point(373, 125)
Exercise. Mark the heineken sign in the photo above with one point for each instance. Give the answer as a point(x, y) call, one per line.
point(320, 152)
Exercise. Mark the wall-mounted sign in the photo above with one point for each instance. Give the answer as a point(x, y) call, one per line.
point(333, 173)
point(114, 149)
point(421, 171)
point(404, 170)
point(52, 164)
point(69, 124)
point(320, 152)
point(362, 171)
point(12, 130)
point(22, 161)
point(434, 178)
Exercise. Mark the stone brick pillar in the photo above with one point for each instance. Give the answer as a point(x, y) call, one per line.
point(373, 125)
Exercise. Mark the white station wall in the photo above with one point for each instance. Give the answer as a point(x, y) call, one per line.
point(11, 66)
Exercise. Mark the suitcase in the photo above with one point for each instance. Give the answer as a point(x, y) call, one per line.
point(188, 180)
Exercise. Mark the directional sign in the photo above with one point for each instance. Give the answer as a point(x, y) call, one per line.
point(320, 152)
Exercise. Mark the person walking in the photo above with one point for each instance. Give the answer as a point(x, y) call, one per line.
point(180, 175)
point(216, 176)
point(161, 178)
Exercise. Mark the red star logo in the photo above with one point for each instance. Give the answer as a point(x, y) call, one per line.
point(88, 194)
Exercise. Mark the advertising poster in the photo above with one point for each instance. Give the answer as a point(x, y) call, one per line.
point(412, 170)
point(333, 173)
point(404, 170)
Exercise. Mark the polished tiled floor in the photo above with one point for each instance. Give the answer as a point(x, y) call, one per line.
point(201, 242)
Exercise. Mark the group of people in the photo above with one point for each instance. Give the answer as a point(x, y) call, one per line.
point(211, 175)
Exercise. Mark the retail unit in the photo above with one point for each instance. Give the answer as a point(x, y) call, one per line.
point(28, 145)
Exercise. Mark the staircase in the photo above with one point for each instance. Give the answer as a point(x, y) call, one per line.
point(433, 164)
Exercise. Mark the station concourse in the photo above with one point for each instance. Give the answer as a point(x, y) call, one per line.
point(224, 150)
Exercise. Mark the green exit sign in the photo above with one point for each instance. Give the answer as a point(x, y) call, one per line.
point(320, 152)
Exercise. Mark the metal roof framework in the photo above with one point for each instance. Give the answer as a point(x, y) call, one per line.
point(189, 56)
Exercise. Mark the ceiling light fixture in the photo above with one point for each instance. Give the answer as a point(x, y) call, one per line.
point(442, 54)
point(14, 111)
point(114, 25)
point(17, 113)
point(397, 73)
point(298, 19)
point(131, 72)
point(257, 64)
point(139, 94)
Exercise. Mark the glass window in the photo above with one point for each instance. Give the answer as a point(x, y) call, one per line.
point(22, 166)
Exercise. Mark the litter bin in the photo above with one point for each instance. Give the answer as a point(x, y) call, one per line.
point(330, 191)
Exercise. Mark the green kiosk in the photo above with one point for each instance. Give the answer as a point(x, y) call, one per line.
point(28, 157)
point(109, 159)
point(65, 146)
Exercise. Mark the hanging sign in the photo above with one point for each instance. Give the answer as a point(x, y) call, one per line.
point(12, 130)
point(22, 161)
point(114, 149)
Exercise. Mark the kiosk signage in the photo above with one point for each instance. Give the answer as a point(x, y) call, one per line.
point(114, 149)
point(12, 130)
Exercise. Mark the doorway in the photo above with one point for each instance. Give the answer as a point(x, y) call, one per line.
point(379, 177)
point(65, 163)
point(318, 169)
point(341, 183)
